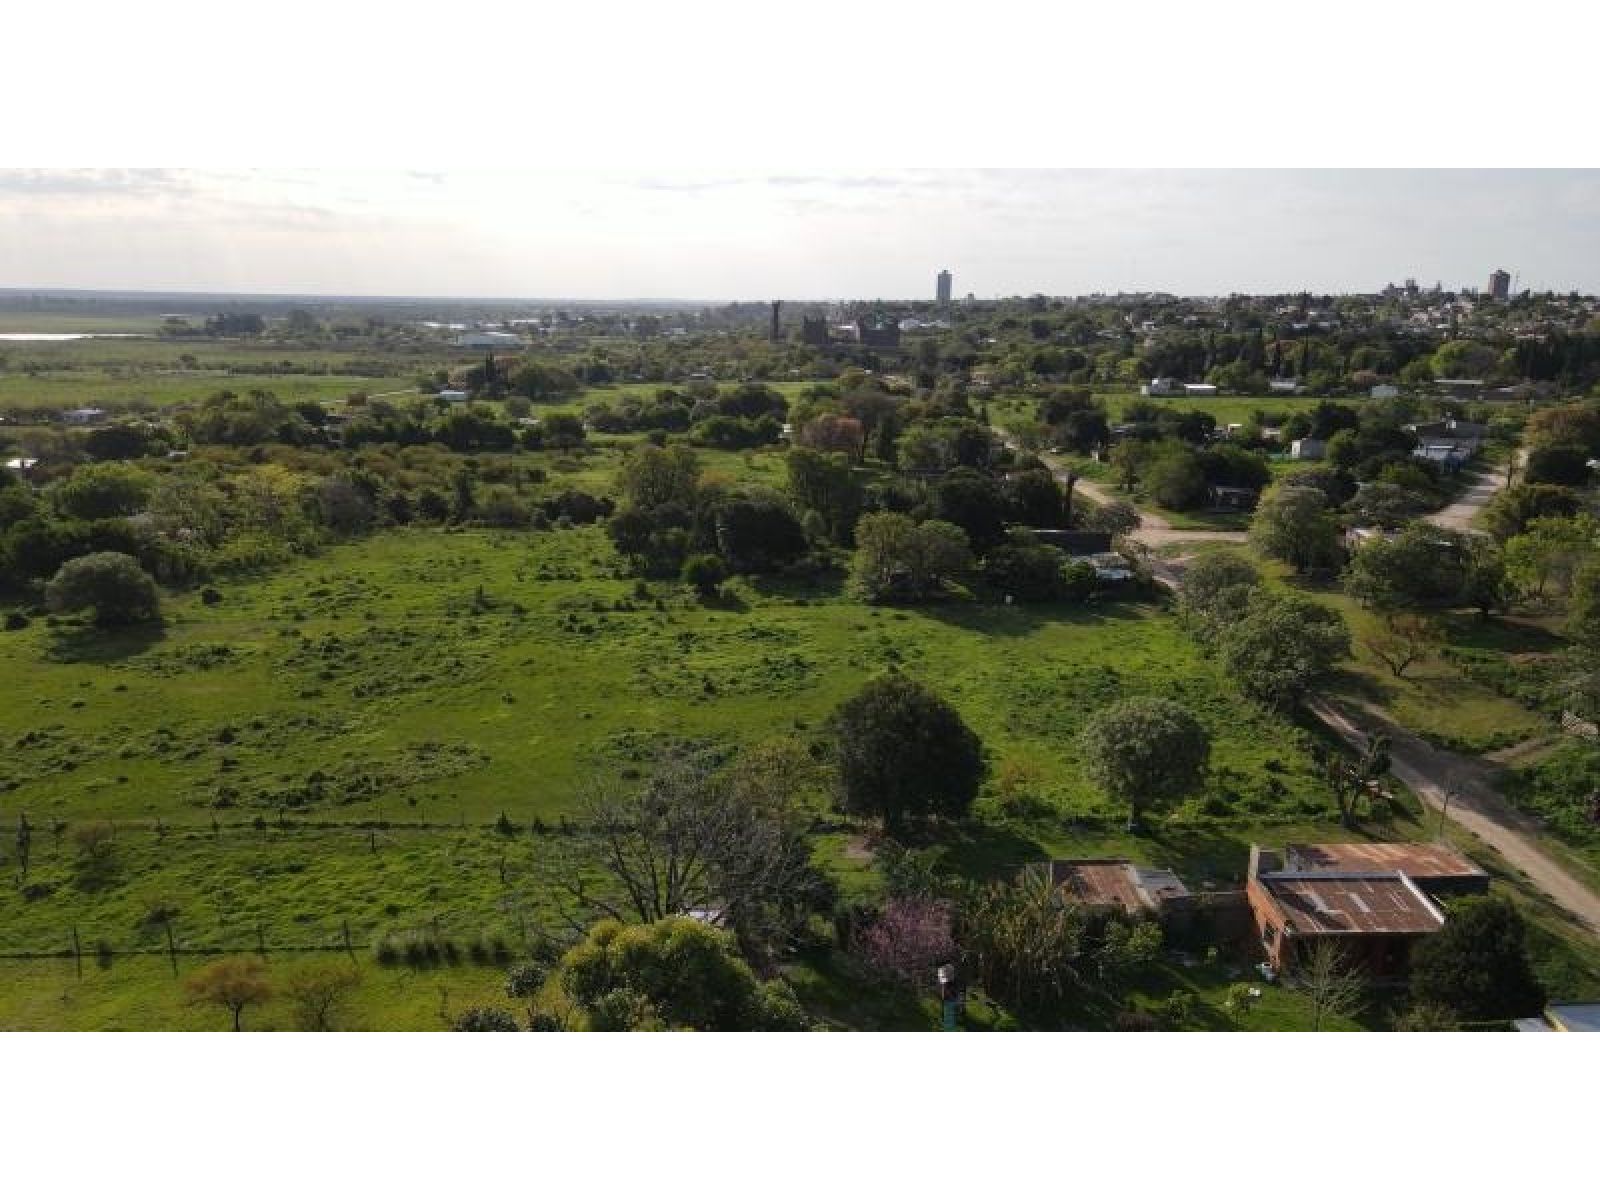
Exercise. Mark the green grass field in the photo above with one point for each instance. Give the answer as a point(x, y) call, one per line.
point(321, 757)
point(63, 322)
point(120, 391)
point(370, 661)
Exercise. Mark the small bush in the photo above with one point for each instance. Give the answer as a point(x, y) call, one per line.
point(525, 979)
point(485, 1020)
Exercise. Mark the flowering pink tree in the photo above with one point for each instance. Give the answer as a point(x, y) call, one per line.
point(911, 937)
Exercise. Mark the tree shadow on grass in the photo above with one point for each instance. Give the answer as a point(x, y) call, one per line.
point(1499, 634)
point(992, 617)
point(1203, 856)
point(977, 850)
point(89, 644)
point(826, 587)
point(1345, 682)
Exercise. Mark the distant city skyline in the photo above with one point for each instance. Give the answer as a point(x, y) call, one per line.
point(798, 234)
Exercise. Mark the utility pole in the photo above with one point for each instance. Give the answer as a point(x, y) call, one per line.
point(949, 997)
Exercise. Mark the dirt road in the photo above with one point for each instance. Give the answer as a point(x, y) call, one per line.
point(1154, 529)
point(1464, 510)
point(1464, 789)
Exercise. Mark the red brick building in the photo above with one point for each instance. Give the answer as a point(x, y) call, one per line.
point(1374, 901)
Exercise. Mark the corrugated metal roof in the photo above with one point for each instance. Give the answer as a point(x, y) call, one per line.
point(1423, 861)
point(1353, 904)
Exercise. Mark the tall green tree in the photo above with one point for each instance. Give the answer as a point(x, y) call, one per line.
point(676, 973)
point(905, 755)
point(1294, 524)
point(1477, 965)
point(1281, 646)
point(1145, 751)
point(114, 585)
point(898, 559)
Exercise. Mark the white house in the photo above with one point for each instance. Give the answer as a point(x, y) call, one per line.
point(489, 339)
point(1384, 391)
point(1287, 387)
point(84, 416)
point(1308, 449)
point(451, 396)
point(1199, 389)
point(1161, 386)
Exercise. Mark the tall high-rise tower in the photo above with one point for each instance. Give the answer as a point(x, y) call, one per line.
point(1500, 286)
point(942, 293)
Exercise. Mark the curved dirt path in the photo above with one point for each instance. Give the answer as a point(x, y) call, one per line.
point(1466, 787)
point(1460, 514)
point(1154, 530)
point(1458, 786)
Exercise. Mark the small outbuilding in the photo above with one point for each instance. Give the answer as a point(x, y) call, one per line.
point(1116, 884)
point(1308, 449)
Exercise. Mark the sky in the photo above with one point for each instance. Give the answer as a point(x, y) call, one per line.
point(803, 234)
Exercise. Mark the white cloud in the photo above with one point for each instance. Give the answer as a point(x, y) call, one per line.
point(797, 232)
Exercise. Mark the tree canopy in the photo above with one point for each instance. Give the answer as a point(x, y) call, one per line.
point(676, 973)
point(1477, 965)
point(1145, 751)
point(904, 754)
point(114, 585)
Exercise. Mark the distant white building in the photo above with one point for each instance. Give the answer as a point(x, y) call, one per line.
point(1161, 387)
point(489, 339)
point(1287, 387)
point(451, 396)
point(1384, 391)
point(1199, 389)
point(84, 416)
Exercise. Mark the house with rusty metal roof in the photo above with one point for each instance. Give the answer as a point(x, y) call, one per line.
point(1436, 868)
point(1373, 901)
point(1117, 884)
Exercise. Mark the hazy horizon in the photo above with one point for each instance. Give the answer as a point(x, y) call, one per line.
point(805, 235)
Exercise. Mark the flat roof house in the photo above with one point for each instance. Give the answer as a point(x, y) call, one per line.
point(1161, 386)
point(489, 339)
point(1563, 1018)
point(1233, 499)
point(1308, 449)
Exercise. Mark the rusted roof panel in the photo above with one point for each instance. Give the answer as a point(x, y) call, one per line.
point(1351, 904)
point(1422, 861)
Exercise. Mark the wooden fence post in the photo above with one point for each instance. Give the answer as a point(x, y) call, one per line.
point(77, 951)
point(348, 949)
